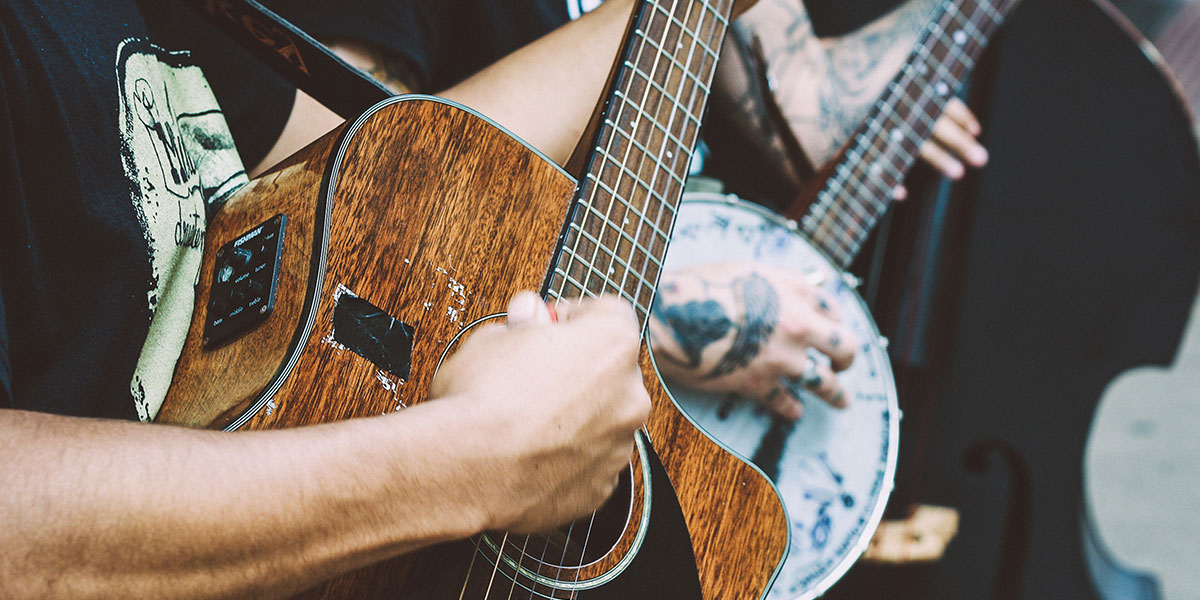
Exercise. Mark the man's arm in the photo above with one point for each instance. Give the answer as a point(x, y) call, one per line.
point(544, 92)
point(93, 508)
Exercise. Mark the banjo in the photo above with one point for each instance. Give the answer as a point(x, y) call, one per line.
point(834, 468)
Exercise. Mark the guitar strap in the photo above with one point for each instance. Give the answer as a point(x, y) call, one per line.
point(295, 55)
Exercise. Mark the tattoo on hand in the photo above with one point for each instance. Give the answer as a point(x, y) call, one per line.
point(760, 302)
point(695, 325)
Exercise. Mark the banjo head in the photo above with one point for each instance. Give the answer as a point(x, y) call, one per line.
point(833, 468)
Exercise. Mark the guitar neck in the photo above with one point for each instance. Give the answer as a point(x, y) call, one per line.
point(884, 148)
point(617, 234)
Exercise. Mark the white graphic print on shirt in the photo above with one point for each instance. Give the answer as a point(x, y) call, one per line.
point(178, 154)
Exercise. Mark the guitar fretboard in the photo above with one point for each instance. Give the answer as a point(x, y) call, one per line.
point(621, 223)
point(884, 148)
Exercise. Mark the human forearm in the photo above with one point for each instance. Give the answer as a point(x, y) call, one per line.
point(101, 509)
point(825, 86)
point(546, 91)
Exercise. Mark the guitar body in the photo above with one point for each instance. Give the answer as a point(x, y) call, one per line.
point(436, 216)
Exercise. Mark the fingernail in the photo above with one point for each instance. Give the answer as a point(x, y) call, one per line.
point(523, 307)
point(795, 411)
point(899, 193)
point(955, 170)
point(979, 156)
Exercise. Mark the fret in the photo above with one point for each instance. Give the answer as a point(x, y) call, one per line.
point(690, 121)
point(597, 293)
point(634, 178)
point(964, 21)
point(675, 177)
point(623, 234)
point(621, 198)
point(886, 144)
point(680, 69)
point(618, 235)
point(578, 230)
point(558, 289)
point(992, 14)
point(608, 279)
point(953, 48)
point(833, 221)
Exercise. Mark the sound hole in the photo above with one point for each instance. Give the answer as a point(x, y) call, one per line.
point(579, 543)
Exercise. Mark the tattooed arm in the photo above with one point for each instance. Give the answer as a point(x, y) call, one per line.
point(745, 328)
point(825, 86)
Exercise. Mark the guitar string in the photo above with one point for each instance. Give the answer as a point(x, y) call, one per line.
point(681, 145)
point(825, 222)
point(924, 112)
point(495, 567)
point(563, 274)
point(656, 164)
point(858, 154)
point(684, 78)
point(924, 108)
point(470, 567)
point(634, 248)
point(643, 33)
point(654, 9)
point(520, 560)
point(854, 186)
point(565, 278)
point(828, 229)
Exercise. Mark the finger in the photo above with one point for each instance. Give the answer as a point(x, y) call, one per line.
point(957, 109)
point(952, 136)
point(606, 306)
point(562, 310)
point(941, 160)
point(833, 340)
point(826, 305)
point(782, 403)
point(899, 193)
point(527, 307)
point(826, 386)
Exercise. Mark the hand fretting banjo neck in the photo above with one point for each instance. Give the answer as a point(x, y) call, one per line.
point(883, 149)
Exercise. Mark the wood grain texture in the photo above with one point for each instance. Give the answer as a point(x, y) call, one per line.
point(438, 217)
point(211, 387)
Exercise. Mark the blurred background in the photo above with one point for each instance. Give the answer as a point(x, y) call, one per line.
point(1143, 456)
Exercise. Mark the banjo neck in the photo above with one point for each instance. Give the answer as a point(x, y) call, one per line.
point(881, 151)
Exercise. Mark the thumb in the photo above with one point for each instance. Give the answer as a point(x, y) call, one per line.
point(527, 307)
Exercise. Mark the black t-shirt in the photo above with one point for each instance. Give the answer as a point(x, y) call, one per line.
point(111, 144)
point(832, 18)
point(445, 40)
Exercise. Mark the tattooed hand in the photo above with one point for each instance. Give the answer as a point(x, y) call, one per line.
point(745, 328)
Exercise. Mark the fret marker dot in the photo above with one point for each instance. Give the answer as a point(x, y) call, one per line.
point(922, 68)
point(960, 37)
point(897, 135)
point(876, 169)
point(941, 88)
point(670, 154)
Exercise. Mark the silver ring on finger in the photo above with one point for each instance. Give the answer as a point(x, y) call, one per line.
point(810, 378)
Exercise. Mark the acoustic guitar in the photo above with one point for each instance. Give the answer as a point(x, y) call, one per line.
point(338, 282)
point(835, 468)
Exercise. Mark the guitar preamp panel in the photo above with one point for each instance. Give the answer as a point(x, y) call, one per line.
point(242, 294)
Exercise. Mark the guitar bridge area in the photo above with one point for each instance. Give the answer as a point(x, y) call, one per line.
point(242, 293)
